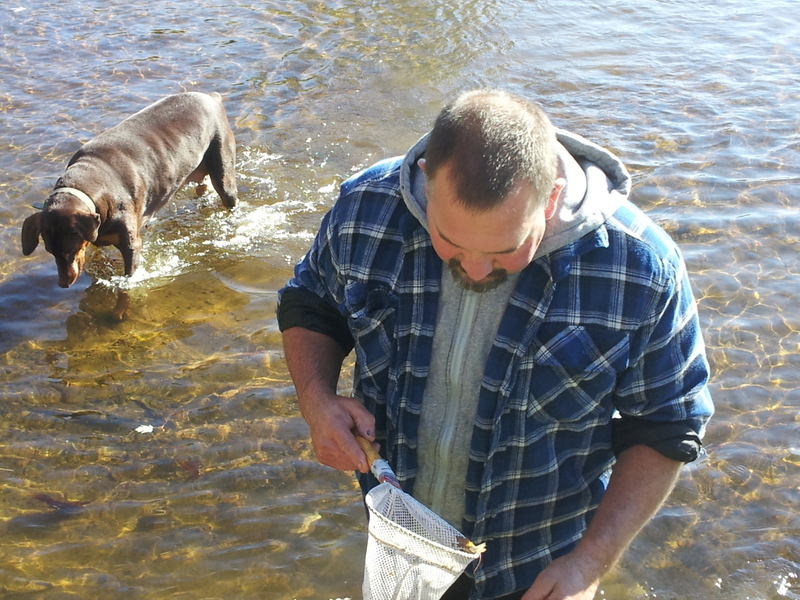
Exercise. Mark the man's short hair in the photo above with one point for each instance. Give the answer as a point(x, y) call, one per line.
point(493, 141)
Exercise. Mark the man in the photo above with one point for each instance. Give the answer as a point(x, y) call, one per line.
point(528, 354)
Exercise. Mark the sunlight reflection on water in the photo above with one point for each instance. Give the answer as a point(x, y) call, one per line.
point(223, 497)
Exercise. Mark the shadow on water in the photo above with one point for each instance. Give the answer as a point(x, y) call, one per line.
point(39, 523)
point(33, 304)
point(36, 309)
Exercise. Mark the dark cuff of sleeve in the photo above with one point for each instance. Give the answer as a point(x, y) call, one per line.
point(677, 441)
point(302, 308)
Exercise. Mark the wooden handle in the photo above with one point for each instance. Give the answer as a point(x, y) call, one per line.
point(366, 446)
point(379, 467)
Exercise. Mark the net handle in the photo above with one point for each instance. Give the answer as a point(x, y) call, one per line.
point(379, 467)
point(369, 450)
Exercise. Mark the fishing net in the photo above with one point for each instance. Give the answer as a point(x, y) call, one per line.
point(412, 553)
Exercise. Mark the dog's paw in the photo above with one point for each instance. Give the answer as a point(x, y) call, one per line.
point(122, 309)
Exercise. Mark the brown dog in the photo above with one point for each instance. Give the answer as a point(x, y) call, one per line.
point(116, 181)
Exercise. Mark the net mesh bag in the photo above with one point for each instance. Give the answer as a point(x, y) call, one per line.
point(412, 553)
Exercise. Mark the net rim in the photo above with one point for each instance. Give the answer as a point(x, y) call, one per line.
point(393, 524)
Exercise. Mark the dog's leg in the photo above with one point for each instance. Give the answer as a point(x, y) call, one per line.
point(130, 247)
point(201, 188)
point(220, 161)
point(131, 253)
point(199, 177)
point(123, 306)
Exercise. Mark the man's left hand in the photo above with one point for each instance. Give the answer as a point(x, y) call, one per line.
point(566, 578)
point(640, 480)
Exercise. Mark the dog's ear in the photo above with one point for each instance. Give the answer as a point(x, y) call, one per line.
point(88, 226)
point(30, 233)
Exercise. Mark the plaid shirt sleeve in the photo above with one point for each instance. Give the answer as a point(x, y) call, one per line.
point(666, 383)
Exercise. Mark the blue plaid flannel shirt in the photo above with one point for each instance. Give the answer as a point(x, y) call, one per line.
point(607, 323)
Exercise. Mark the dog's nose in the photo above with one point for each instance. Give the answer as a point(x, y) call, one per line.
point(67, 279)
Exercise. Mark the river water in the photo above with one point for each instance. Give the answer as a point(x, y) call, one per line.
point(172, 441)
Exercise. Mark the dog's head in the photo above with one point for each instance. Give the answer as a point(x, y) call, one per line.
point(66, 234)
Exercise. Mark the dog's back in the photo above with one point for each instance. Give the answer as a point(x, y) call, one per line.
point(155, 151)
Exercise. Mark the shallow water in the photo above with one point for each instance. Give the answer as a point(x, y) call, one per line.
point(175, 432)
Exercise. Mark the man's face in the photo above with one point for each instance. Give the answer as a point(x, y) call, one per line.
point(482, 248)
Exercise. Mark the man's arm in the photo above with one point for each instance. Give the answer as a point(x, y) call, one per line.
point(641, 480)
point(315, 361)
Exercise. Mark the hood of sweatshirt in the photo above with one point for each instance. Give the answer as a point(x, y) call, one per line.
point(597, 183)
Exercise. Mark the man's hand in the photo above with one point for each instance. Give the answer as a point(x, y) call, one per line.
point(640, 481)
point(333, 422)
point(565, 578)
point(314, 362)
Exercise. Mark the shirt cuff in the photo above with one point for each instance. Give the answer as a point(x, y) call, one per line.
point(676, 440)
point(300, 307)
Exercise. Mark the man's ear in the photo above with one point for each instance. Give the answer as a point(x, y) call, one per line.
point(31, 228)
point(88, 226)
point(555, 195)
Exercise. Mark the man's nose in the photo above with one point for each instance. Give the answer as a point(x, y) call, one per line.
point(477, 266)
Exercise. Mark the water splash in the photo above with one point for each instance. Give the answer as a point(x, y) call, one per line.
point(195, 232)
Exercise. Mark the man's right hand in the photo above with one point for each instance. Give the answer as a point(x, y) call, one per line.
point(314, 362)
point(333, 423)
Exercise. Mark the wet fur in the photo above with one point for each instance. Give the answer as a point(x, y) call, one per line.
point(130, 172)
